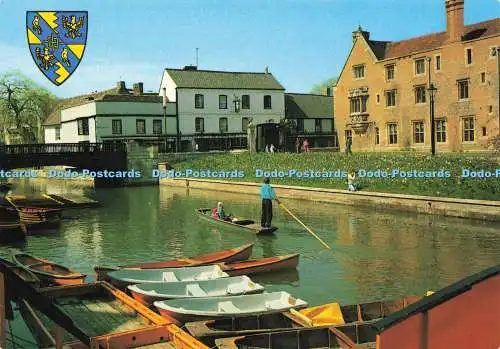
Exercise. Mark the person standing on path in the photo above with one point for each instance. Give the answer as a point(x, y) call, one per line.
point(267, 195)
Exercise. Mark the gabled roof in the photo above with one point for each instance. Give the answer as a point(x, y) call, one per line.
point(387, 50)
point(212, 79)
point(300, 106)
point(110, 95)
point(437, 298)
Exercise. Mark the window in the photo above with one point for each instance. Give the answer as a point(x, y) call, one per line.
point(484, 131)
point(468, 129)
point(359, 71)
point(390, 98)
point(199, 101)
point(377, 136)
point(116, 126)
point(419, 94)
point(493, 51)
point(483, 78)
point(348, 136)
point(420, 66)
point(392, 132)
point(267, 102)
point(222, 102)
point(140, 126)
point(300, 125)
point(463, 89)
point(440, 126)
point(468, 54)
point(157, 127)
point(329, 91)
point(317, 126)
point(245, 102)
point(223, 125)
point(199, 125)
point(83, 127)
point(358, 104)
point(438, 63)
point(58, 133)
point(389, 72)
point(418, 132)
point(378, 98)
point(491, 108)
point(244, 124)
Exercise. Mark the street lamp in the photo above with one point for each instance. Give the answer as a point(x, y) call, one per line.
point(432, 93)
point(498, 85)
point(164, 95)
point(236, 102)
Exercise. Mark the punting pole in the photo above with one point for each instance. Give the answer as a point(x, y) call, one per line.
point(305, 226)
point(59, 337)
point(2, 311)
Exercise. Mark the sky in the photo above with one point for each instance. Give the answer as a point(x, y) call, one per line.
point(303, 42)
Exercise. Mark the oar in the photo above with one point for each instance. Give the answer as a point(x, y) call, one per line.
point(305, 226)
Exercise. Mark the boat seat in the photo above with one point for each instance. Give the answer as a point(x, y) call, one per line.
point(206, 275)
point(277, 304)
point(195, 290)
point(227, 307)
point(168, 276)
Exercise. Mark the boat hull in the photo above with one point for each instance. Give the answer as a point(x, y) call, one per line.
point(205, 214)
point(11, 232)
point(263, 265)
point(232, 255)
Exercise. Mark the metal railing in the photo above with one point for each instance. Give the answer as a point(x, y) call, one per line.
point(19, 149)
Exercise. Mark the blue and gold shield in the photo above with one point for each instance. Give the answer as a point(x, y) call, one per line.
point(57, 41)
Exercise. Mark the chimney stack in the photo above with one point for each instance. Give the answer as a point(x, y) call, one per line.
point(266, 69)
point(121, 88)
point(358, 33)
point(455, 19)
point(138, 89)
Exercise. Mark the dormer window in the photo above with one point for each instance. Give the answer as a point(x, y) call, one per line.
point(359, 71)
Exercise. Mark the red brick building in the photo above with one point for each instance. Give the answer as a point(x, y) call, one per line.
point(382, 98)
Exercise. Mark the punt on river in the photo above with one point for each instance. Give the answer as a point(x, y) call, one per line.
point(247, 225)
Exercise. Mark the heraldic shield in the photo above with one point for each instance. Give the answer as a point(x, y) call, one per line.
point(57, 41)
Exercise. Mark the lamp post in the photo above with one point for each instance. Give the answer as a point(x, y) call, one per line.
point(432, 92)
point(164, 95)
point(498, 85)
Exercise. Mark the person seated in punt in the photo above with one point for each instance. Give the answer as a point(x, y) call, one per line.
point(220, 214)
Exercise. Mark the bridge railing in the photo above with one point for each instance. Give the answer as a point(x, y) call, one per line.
point(19, 149)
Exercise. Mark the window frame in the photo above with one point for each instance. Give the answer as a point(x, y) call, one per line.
point(155, 126)
point(243, 104)
point(460, 84)
point(468, 132)
point(438, 66)
point(83, 126)
point(362, 68)
point(469, 54)
point(197, 120)
point(268, 102)
point(118, 122)
point(439, 134)
point(423, 96)
point(243, 119)
point(318, 126)
point(221, 103)
point(388, 94)
point(199, 101)
point(416, 64)
point(387, 70)
point(137, 122)
point(418, 134)
point(377, 136)
point(392, 137)
point(220, 124)
point(57, 133)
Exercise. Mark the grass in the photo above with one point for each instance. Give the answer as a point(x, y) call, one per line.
point(452, 186)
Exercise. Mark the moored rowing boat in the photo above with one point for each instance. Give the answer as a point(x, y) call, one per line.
point(228, 307)
point(47, 271)
point(231, 286)
point(232, 255)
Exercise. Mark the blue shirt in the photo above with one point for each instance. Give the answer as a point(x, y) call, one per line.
point(267, 192)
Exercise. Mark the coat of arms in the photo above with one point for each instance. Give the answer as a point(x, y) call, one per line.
point(57, 41)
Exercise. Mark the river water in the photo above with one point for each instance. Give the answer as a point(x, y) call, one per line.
point(375, 254)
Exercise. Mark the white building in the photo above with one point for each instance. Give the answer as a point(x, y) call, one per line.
point(112, 115)
point(215, 107)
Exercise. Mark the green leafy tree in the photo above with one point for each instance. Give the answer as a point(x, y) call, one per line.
point(24, 106)
point(318, 88)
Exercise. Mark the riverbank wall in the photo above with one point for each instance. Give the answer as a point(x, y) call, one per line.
point(452, 207)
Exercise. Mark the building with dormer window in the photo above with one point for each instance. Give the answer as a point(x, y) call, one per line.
point(382, 99)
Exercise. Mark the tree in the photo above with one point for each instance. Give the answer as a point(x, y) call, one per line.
point(24, 106)
point(318, 88)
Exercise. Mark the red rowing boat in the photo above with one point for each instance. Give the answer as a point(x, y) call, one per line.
point(232, 255)
point(261, 265)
